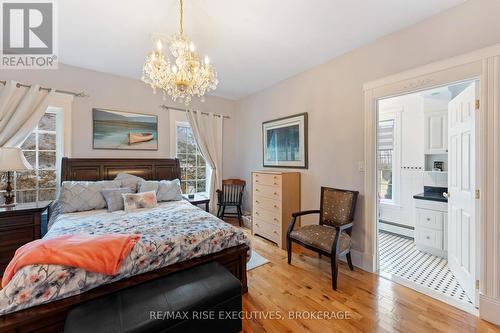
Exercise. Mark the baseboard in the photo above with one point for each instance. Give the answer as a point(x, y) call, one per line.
point(489, 309)
point(361, 260)
point(395, 228)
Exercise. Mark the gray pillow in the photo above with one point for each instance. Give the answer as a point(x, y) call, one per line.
point(166, 190)
point(82, 196)
point(129, 181)
point(113, 197)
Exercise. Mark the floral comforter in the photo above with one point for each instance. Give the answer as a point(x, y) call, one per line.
point(172, 232)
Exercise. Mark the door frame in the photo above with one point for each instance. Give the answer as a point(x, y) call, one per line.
point(483, 65)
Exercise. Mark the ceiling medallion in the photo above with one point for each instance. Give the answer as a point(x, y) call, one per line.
point(183, 77)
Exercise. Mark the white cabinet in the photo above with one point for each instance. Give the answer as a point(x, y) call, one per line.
point(436, 132)
point(431, 226)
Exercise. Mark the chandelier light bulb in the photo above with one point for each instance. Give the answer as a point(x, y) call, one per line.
point(174, 69)
point(207, 60)
point(159, 45)
point(192, 48)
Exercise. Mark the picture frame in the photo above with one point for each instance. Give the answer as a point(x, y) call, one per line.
point(284, 142)
point(122, 130)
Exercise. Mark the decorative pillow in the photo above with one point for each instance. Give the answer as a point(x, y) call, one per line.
point(129, 181)
point(82, 196)
point(113, 198)
point(133, 201)
point(166, 190)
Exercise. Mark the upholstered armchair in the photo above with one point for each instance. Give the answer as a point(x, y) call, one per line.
point(332, 236)
point(231, 195)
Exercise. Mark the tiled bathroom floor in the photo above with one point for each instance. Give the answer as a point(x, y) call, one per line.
point(400, 257)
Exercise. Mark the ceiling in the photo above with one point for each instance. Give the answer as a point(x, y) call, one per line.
point(252, 43)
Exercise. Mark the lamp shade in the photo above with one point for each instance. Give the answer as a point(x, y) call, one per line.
point(12, 159)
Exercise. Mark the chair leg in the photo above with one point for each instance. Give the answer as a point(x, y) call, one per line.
point(349, 261)
point(289, 249)
point(335, 270)
point(218, 211)
point(223, 212)
point(238, 209)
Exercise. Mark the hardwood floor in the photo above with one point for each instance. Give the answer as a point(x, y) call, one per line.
point(372, 303)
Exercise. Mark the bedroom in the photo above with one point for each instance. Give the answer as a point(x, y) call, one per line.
point(354, 62)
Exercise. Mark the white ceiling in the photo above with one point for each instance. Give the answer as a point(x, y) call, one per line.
point(252, 43)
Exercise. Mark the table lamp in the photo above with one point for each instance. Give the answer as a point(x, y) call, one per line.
point(12, 159)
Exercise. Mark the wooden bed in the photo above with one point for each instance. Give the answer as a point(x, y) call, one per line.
point(50, 317)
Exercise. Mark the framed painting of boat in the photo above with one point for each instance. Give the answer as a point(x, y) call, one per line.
point(114, 129)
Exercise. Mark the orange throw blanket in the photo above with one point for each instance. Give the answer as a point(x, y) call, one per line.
point(94, 253)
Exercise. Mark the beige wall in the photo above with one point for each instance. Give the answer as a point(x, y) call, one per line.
point(332, 95)
point(115, 92)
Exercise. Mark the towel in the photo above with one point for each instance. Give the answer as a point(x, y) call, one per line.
point(94, 253)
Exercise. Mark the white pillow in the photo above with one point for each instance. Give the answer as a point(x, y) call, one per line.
point(77, 196)
point(166, 190)
point(134, 201)
point(129, 180)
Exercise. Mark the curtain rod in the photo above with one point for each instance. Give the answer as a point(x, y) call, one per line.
point(185, 110)
point(79, 94)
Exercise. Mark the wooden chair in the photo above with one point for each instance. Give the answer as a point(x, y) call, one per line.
point(332, 237)
point(231, 195)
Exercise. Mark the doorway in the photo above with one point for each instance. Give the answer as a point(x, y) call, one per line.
point(425, 180)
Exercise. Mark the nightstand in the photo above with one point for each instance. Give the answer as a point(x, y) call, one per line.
point(199, 199)
point(19, 225)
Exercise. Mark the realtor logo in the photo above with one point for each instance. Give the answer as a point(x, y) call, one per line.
point(28, 34)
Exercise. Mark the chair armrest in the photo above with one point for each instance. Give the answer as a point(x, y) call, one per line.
point(344, 226)
point(294, 219)
point(305, 212)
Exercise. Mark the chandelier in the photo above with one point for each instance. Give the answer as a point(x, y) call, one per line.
point(183, 77)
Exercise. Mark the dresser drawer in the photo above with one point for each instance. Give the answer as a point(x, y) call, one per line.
point(269, 217)
point(429, 237)
point(270, 205)
point(19, 236)
point(16, 221)
point(266, 230)
point(269, 192)
point(266, 179)
point(430, 219)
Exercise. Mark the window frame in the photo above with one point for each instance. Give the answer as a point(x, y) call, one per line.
point(59, 145)
point(395, 115)
point(207, 167)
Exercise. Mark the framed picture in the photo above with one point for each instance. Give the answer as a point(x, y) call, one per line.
point(124, 130)
point(285, 142)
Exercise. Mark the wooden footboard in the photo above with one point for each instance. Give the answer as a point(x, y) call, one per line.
point(50, 317)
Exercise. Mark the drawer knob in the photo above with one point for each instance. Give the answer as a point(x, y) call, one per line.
point(428, 219)
point(257, 190)
point(275, 232)
point(427, 237)
point(275, 206)
point(257, 201)
point(256, 213)
point(275, 183)
point(257, 224)
point(276, 219)
point(275, 193)
point(256, 180)
point(275, 177)
point(256, 175)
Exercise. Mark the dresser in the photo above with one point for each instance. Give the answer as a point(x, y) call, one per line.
point(19, 225)
point(275, 196)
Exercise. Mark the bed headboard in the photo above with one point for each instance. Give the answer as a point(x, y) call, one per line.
point(94, 169)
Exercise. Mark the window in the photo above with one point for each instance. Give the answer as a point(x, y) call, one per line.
point(42, 151)
point(385, 159)
point(193, 166)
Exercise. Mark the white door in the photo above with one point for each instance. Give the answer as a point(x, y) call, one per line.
point(461, 189)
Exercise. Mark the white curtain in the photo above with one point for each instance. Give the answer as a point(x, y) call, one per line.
point(20, 111)
point(207, 130)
